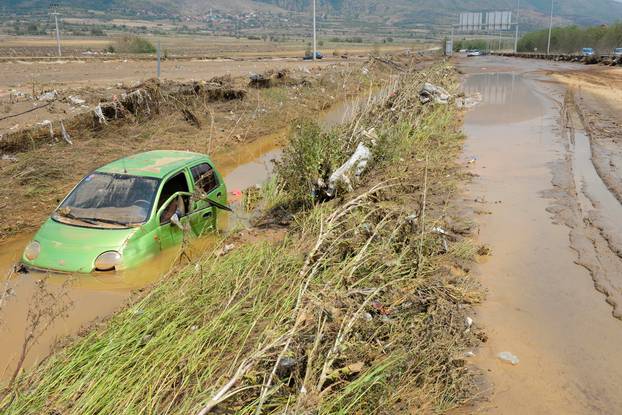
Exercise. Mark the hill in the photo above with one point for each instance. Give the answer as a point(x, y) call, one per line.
point(391, 12)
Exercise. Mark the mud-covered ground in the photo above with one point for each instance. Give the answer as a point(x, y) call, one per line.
point(597, 95)
point(544, 150)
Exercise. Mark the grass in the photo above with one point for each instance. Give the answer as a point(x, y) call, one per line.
point(354, 311)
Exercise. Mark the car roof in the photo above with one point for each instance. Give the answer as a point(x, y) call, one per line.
point(157, 163)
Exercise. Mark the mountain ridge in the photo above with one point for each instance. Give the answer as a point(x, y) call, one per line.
point(392, 11)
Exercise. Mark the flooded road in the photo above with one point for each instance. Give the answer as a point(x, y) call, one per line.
point(537, 194)
point(98, 295)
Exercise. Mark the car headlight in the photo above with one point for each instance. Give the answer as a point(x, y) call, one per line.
point(32, 251)
point(108, 261)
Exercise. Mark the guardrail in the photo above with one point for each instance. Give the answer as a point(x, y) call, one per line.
point(610, 60)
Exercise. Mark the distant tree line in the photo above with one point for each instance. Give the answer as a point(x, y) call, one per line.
point(572, 39)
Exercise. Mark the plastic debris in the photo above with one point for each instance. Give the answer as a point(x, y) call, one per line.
point(65, 134)
point(469, 354)
point(76, 100)
point(100, 114)
point(48, 96)
point(226, 249)
point(357, 163)
point(468, 322)
point(469, 102)
point(48, 123)
point(7, 157)
point(430, 92)
point(508, 358)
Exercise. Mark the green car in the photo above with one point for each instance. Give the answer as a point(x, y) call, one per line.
point(129, 211)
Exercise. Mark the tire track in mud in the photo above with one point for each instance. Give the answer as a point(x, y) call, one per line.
point(592, 235)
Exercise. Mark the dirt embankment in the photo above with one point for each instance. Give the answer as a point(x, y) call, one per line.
point(40, 171)
point(597, 97)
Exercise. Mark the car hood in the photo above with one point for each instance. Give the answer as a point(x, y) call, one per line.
point(70, 248)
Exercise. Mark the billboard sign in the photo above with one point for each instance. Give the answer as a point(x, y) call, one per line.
point(485, 21)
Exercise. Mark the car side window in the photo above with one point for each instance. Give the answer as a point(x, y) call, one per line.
point(177, 183)
point(178, 205)
point(205, 177)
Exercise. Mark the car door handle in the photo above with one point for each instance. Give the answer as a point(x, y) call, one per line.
point(207, 214)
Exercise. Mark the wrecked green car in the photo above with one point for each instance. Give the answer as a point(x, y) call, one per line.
point(129, 211)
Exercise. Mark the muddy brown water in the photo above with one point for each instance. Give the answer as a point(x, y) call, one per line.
point(98, 295)
point(542, 306)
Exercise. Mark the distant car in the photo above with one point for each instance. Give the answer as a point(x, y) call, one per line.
point(128, 211)
point(462, 51)
point(309, 57)
point(474, 52)
point(587, 52)
point(617, 52)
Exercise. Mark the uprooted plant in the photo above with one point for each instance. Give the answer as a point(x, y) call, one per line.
point(357, 310)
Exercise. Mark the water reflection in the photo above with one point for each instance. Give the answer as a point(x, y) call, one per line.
point(506, 98)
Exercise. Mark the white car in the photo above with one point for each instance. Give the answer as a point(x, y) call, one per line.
point(474, 52)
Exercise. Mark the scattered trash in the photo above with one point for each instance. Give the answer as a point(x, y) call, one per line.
point(7, 157)
point(469, 354)
point(378, 306)
point(286, 366)
point(469, 322)
point(48, 123)
point(430, 92)
point(508, 358)
point(65, 134)
point(472, 160)
point(48, 96)
point(226, 249)
point(99, 113)
point(468, 102)
point(357, 162)
point(349, 370)
point(412, 218)
point(258, 80)
point(76, 100)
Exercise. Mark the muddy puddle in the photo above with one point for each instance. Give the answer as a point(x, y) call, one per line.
point(98, 295)
point(542, 306)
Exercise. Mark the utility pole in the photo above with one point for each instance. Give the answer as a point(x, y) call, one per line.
point(55, 14)
point(516, 34)
point(548, 46)
point(314, 34)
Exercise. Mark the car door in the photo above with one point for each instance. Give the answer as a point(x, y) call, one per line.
point(206, 185)
point(174, 198)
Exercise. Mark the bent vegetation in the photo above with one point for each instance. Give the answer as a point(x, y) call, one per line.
point(360, 306)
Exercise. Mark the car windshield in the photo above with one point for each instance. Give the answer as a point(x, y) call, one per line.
point(103, 199)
